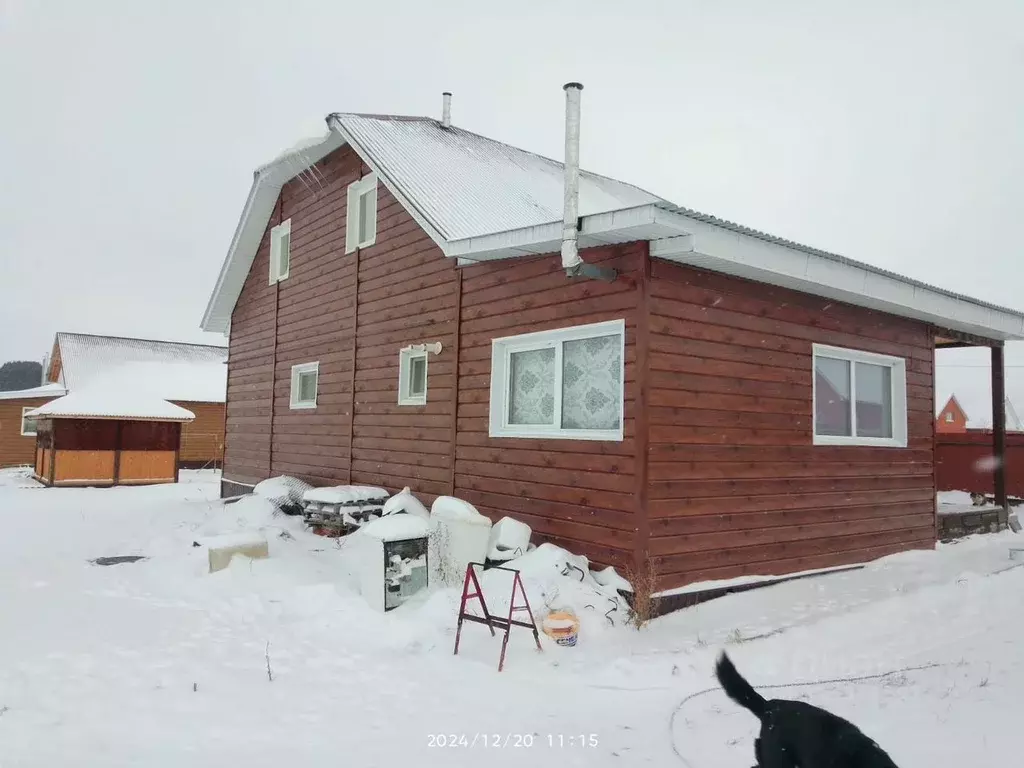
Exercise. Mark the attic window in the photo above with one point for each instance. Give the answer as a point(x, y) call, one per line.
point(949, 417)
point(361, 227)
point(280, 251)
point(860, 398)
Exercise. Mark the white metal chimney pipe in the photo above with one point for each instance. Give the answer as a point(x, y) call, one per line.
point(446, 110)
point(570, 248)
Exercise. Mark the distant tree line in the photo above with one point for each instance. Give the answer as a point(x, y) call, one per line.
point(20, 374)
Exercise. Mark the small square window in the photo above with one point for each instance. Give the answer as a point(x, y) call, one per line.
point(304, 385)
point(280, 251)
point(28, 424)
point(412, 377)
point(361, 227)
point(860, 398)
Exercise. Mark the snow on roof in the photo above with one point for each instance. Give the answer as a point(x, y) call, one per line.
point(163, 369)
point(478, 198)
point(111, 403)
point(499, 187)
point(46, 390)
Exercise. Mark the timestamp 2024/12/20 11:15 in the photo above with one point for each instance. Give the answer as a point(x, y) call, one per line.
point(511, 740)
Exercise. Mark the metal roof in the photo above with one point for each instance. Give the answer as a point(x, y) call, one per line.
point(46, 390)
point(839, 259)
point(167, 369)
point(467, 185)
point(481, 199)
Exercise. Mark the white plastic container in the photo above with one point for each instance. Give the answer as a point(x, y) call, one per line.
point(459, 535)
point(509, 539)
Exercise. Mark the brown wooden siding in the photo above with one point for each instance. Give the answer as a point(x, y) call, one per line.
point(736, 485)
point(16, 450)
point(202, 440)
point(576, 493)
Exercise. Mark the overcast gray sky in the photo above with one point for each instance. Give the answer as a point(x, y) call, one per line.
point(890, 132)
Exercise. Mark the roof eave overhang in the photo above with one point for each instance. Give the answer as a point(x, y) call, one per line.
point(266, 186)
point(644, 222)
point(723, 250)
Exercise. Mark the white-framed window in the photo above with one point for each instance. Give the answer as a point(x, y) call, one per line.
point(860, 398)
point(304, 385)
point(280, 251)
point(361, 226)
point(412, 376)
point(28, 424)
point(949, 417)
point(565, 383)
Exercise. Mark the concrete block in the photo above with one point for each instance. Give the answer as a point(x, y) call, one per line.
point(222, 548)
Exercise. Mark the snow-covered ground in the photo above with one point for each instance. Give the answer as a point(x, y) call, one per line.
point(159, 663)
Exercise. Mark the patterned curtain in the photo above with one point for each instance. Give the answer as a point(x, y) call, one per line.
point(532, 391)
point(591, 371)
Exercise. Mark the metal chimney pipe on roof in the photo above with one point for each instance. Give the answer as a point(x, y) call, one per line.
point(446, 110)
point(570, 251)
point(571, 261)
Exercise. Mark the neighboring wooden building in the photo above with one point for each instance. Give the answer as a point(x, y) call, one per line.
point(399, 315)
point(17, 430)
point(193, 376)
point(108, 437)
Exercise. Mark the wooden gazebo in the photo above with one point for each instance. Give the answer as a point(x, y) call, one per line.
point(106, 438)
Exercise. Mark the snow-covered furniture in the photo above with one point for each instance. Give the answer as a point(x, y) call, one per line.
point(459, 535)
point(509, 539)
point(343, 508)
point(392, 560)
point(222, 548)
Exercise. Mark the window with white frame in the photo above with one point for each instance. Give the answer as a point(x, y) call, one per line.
point(566, 383)
point(361, 226)
point(280, 251)
point(412, 376)
point(949, 417)
point(304, 385)
point(860, 398)
point(28, 424)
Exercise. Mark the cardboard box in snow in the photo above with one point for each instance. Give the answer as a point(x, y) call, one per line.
point(459, 535)
point(391, 559)
point(222, 548)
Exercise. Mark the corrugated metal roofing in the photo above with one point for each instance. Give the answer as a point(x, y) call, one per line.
point(122, 403)
point(725, 224)
point(499, 187)
point(46, 390)
point(86, 359)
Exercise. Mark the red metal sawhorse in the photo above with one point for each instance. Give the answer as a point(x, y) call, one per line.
point(488, 618)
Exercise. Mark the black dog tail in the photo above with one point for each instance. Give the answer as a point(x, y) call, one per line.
point(737, 688)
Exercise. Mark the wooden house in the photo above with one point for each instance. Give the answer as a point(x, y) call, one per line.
point(410, 303)
point(17, 429)
point(192, 376)
point(101, 437)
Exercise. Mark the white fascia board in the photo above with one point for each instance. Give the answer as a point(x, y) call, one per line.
point(266, 186)
point(734, 253)
point(644, 222)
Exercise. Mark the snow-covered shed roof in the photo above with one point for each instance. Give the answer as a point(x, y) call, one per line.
point(162, 369)
point(112, 403)
point(46, 390)
point(481, 199)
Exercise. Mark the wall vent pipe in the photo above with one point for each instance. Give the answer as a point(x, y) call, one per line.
point(446, 110)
